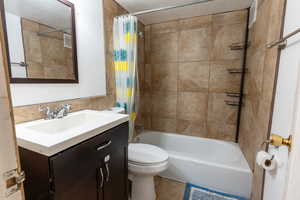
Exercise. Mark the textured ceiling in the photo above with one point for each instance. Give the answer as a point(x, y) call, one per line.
point(212, 7)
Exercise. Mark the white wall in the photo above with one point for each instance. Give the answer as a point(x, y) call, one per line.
point(285, 101)
point(91, 62)
point(15, 43)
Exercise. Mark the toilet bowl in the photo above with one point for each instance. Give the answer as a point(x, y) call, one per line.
point(144, 162)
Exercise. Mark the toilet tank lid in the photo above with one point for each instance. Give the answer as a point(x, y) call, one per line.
point(146, 153)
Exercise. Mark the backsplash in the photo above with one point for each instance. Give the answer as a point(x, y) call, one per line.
point(31, 112)
point(185, 77)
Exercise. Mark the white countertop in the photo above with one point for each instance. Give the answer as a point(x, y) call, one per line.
point(49, 137)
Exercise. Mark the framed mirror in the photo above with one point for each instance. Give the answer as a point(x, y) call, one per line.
point(41, 41)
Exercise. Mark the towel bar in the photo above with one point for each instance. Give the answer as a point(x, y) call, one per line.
point(282, 43)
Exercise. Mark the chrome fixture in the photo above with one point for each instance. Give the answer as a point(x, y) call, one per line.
point(22, 64)
point(63, 111)
point(233, 94)
point(239, 46)
point(282, 43)
point(46, 33)
point(58, 113)
point(167, 8)
point(232, 103)
point(48, 113)
point(53, 31)
point(237, 70)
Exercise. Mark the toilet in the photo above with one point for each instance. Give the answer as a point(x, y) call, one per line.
point(144, 162)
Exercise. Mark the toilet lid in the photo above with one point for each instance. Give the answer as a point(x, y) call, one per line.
point(146, 153)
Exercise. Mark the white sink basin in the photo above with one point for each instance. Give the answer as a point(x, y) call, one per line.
point(49, 137)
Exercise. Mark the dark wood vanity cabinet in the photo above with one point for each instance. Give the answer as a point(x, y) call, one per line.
point(96, 169)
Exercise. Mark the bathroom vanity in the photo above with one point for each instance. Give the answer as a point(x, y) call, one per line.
point(91, 165)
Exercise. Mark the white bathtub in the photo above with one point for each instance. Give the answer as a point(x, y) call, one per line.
point(214, 164)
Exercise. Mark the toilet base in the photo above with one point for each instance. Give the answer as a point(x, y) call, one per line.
point(143, 187)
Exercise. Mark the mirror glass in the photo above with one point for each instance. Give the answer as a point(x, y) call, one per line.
point(41, 41)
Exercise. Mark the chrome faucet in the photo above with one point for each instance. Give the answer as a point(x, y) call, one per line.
point(48, 113)
point(63, 111)
point(60, 112)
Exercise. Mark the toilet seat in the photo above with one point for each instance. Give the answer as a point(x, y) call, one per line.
point(144, 162)
point(147, 164)
point(148, 170)
point(146, 154)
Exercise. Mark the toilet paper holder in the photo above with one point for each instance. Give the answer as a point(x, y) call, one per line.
point(277, 141)
point(269, 162)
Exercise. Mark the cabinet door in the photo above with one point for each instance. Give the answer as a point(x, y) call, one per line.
point(115, 187)
point(76, 172)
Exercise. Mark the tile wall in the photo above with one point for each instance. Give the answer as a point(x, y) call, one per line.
point(259, 85)
point(185, 77)
point(46, 55)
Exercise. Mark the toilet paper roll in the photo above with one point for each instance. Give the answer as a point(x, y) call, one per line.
point(265, 160)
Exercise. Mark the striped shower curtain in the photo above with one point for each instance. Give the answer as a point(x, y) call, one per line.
point(125, 61)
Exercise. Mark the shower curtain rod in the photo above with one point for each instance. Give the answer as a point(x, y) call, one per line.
point(166, 8)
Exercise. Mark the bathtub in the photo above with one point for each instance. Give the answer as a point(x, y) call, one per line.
point(210, 163)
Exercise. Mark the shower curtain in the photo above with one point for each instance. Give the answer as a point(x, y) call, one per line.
point(125, 61)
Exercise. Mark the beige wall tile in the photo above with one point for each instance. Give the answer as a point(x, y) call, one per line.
point(219, 111)
point(145, 103)
point(221, 80)
point(257, 183)
point(32, 47)
point(228, 18)
point(195, 44)
point(52, 51)
point(147, 44)
point(141, 49)
point(51, 59)
point(166, 27)
point(110, 74)
point(164, 104)
point(29, 25)
point(186, 44)
point(164, 48)
point(221, 131)
point(259, 86)
point(254, 77)
point(260, 37)
point(193, 76)
point(163, 124)
point(164, 76)
point(36, 70)
point(148, 77)
point(192, 128)
point(223, 37)
point(195, 22)
point(141, 76)
point(147, 121)
point(44, 28)
point(192, 106)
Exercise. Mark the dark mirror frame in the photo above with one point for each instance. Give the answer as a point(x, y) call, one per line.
point(74, 49)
